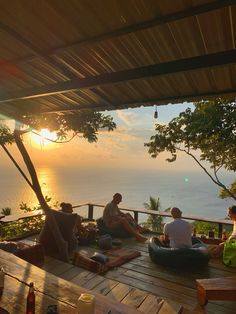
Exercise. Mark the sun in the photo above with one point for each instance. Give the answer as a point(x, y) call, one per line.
point(43, 138)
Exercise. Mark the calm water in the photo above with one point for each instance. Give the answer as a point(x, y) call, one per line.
point(191, 191)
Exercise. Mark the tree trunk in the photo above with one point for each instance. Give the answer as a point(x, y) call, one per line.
point(30, 167)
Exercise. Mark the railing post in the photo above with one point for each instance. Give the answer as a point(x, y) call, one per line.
point(136, 216)
point(90, 211)
point(220, 230)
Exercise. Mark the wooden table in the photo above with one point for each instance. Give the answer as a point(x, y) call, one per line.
point(49, 290)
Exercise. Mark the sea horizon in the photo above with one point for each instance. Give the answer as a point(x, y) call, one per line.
point(192, 191)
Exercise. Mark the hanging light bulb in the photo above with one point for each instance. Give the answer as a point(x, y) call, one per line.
point(155, 113)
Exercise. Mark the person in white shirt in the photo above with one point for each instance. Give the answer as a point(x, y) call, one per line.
point(178, 233)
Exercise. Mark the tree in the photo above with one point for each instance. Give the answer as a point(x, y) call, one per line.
point(154, 221)
point(210, 129)
point(85, 123)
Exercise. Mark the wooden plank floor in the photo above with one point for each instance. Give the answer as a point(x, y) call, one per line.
point(146, 286)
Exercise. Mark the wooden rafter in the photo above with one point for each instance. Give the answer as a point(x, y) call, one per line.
point(183, 65)
point(142, 102)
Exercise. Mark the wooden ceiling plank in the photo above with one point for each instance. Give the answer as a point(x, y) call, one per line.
point(194, 11)
point(65, 71)
point(149, 24)
point(184, 65)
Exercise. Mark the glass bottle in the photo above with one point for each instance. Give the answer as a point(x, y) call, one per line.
point(30, 303)
point(2, 278)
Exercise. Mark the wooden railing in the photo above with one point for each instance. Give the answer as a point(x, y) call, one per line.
point(136, 212)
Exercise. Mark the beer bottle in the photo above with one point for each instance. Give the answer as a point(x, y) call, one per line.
point(2, 277)
point(30, 304)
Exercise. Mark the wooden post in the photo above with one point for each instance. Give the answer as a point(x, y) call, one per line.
point(220, 230)
point(136, 216)
point(90, 211)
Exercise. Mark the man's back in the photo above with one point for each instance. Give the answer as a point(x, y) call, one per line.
point(179, 233)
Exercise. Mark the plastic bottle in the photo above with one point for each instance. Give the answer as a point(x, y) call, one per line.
point(2, 278)
point(30, 303)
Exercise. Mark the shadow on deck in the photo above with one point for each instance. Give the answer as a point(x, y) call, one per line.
point(144, 285)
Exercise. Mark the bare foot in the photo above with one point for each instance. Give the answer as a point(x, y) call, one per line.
point(140, 238)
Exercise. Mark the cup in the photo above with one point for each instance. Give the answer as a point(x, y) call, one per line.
point(86, 304)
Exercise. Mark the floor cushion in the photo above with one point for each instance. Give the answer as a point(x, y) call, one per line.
point(114, 232)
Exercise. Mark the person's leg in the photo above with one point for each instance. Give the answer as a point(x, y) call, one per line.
point(123, 222)
point(134, 224)
point(131, 220)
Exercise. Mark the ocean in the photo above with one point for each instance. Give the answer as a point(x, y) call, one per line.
point(191, 191)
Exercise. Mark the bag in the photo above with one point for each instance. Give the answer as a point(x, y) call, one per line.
point(229, 254)
point(105, 242)
point(99, 257)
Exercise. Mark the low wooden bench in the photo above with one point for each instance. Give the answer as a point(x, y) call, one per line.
point(216, 289)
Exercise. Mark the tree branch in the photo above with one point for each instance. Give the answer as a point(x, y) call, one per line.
point(217, 182)
point(17, 166)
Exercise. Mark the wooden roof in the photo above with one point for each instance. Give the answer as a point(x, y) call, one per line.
point(67, 55)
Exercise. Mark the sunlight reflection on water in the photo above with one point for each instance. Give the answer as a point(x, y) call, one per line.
point(196, 196)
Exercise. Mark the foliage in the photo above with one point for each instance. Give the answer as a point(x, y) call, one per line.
point(225, 194)
point(154, 222)
point(25, 208)
point(25, 225)
point(21, 227)
point(203, 228)
point(6, 211)
point(209, 129)
point(85, 122)
point(5, 135)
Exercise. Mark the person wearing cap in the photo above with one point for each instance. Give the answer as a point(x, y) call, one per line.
point(114, 218)
point(178, 233)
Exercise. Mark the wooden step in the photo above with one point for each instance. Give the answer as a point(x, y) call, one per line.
point(216, 289)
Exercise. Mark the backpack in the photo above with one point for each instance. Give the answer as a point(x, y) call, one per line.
point(229, 254)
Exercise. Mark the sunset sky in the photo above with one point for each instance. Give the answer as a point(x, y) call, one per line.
point(122, 148)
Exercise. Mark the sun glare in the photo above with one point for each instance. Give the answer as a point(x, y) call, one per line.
point(43, 138)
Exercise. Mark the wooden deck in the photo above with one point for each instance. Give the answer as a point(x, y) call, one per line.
point(146, 286)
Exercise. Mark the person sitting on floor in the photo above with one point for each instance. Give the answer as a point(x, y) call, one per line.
point(217, 251)
point(178, 233)
point(114, 218)
point(68, 209)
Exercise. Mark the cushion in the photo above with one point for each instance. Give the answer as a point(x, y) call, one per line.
point(66, 223)
point(33, 254)
point(10, 247)
point(99, 257)
point(88, 263)
point(115, 232)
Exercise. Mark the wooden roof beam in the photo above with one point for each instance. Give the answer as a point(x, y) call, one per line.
point(183, 65)
point(146, 102)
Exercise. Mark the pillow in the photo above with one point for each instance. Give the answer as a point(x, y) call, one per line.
point(10, 247)
point(99, 257)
